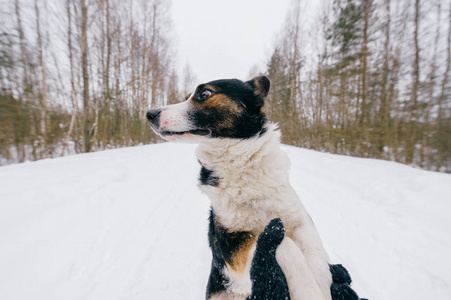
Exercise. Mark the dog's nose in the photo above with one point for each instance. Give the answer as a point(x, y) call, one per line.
point(152, 114)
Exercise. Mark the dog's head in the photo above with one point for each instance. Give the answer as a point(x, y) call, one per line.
point(227, 108)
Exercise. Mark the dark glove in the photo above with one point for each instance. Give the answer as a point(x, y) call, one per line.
point(268, 280)
point(340, 288)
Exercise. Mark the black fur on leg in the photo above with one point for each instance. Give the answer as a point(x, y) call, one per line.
point(268, 280)
point(217, 282)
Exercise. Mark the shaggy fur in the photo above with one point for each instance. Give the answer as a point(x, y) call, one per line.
point(255, 172)
point(245, 174)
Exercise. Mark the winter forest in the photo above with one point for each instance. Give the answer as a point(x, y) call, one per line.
point(366, 78)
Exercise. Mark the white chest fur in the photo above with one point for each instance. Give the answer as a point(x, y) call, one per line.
point(253, 188)
point(253, 182)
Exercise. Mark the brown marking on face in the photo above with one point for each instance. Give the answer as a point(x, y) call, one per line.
point(258, 88)
point(228, 109)
point(221, 101)
point(239, 259)
point(187, 96)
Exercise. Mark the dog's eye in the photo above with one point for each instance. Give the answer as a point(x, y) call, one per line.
point(205, 94)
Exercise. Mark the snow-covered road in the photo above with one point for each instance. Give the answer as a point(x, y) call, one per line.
point(131, 224)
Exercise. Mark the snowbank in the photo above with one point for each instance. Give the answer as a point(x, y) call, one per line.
point(131, 224)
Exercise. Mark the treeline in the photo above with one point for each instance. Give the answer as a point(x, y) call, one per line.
point(78, 75)
point(368, 78)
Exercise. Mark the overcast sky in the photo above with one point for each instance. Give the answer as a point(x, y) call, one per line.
point(224, 39)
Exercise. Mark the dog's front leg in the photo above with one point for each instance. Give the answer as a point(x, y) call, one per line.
point(301, 281)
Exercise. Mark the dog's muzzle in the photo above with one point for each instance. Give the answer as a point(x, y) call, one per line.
point(172, 124)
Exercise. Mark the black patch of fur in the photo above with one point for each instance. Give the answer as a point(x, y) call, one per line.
point(262, 132)
point(223, 245)
point(268, 280)
point(248, 124)
point(217, 281)
point(206, 177)
point(226, 243)
point(260, 86)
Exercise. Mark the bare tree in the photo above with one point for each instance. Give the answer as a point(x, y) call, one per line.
point(443, 135)
point(84, 65)
point(73, 91)
point(43, 94)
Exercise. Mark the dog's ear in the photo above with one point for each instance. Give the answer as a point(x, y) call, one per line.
point(260, 85)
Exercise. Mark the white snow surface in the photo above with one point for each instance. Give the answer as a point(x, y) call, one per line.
point(131, 224)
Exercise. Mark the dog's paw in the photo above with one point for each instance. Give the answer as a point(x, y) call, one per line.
point(272, 236)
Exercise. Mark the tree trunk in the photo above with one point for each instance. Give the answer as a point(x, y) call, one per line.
point(366, 14)
point(412, 133)
point(72, 79)
point(443, 138)
point(43, 102)
point(85, 71)
point(26, 79)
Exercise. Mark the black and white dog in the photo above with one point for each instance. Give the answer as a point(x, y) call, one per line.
point(244, 173)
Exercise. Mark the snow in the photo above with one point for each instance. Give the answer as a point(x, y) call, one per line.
point(132, 224)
